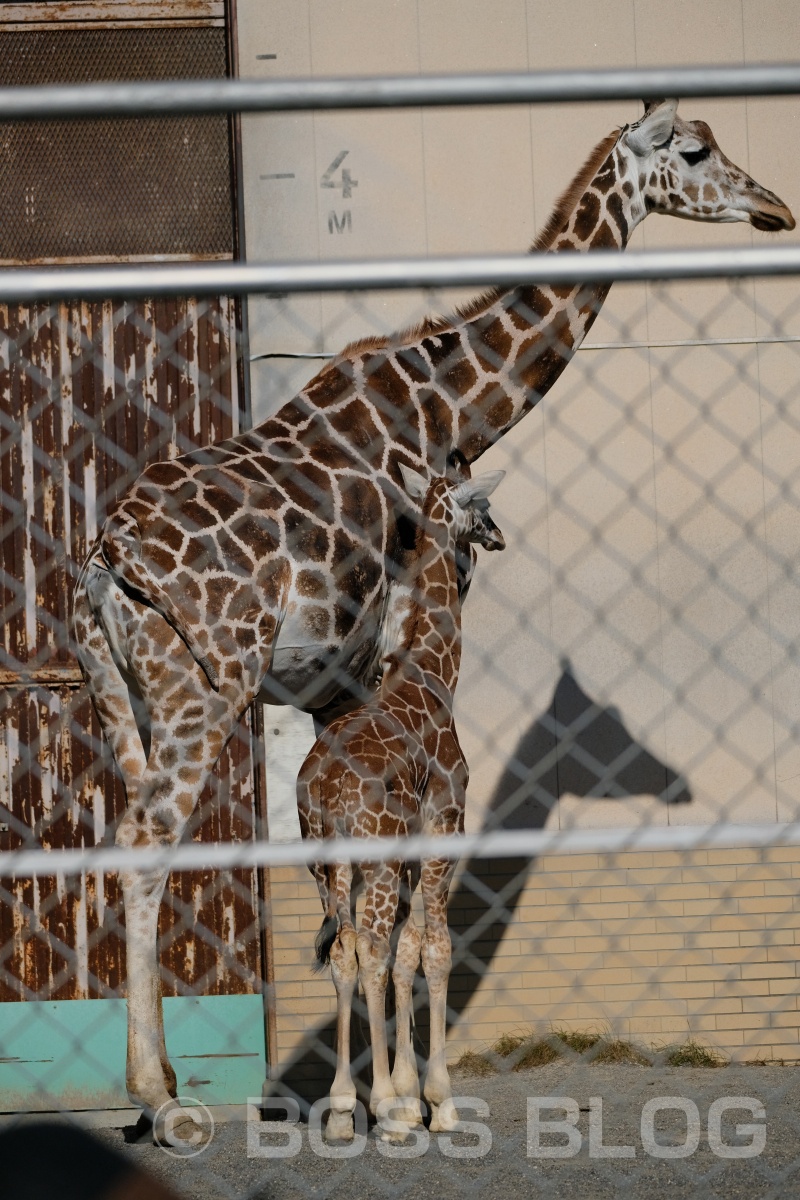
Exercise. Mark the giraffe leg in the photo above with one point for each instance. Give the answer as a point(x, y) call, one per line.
point(405, 1076)
point(436, 961)
point(373, 951)
point(335, 884)
point(149, 1084)
point(127, 648)
point(114, 694)
point(168, 793)
point(344, 969)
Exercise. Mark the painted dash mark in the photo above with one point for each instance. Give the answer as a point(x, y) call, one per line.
point(263, 56)
point(279, 175)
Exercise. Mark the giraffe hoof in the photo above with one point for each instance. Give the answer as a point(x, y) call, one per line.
point(410, 1113)
point(183, 1129)
point(444, 1118)
point(339, 1127)
point(396, 1136)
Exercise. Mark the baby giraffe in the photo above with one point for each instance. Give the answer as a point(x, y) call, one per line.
point(392, 768)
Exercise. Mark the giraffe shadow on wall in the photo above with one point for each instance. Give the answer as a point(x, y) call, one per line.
point(576, 747)
point(579, 748)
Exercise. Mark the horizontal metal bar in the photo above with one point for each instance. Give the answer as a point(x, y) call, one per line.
point(400, 91)
point(518, 843)
point(40, 284)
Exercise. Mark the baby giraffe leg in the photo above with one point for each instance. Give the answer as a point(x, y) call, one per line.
point(344, 969)
point(373, 952)
point(436, 961)
point(405, 1077)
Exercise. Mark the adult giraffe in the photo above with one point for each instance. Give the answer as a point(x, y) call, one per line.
point(264, 565)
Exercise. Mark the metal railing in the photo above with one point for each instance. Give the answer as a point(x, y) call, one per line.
point(487, 899)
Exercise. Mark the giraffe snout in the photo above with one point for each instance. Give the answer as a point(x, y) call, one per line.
point(769, 213)
point(495, 540)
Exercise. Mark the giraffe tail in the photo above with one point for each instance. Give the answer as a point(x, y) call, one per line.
point(121, 547)
point(324, 940)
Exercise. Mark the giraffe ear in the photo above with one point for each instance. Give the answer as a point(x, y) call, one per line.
point(479, 488)
point(654, 128)
point(415, 484)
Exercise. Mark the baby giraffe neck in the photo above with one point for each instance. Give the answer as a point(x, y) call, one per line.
point(432, 636)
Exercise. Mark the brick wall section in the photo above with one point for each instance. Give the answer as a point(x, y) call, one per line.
point(654, 946)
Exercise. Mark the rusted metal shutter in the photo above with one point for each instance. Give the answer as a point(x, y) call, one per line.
point(90, 393)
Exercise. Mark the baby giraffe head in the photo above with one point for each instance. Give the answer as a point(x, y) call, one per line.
point(682, 171)
point(460, 506)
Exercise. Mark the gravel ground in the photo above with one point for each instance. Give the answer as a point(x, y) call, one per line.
point(225, 1170)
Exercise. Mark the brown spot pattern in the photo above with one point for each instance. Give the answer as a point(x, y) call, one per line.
point(586, 217)
point(492, 343)
point(606, 176)
point(603, 238)
point(615, 207)
point(312, 584)
point(460, 378)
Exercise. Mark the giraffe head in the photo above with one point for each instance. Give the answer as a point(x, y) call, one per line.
point(682, 171)
point(461, 505)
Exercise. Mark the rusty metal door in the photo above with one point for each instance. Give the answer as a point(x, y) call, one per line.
point(89, 394)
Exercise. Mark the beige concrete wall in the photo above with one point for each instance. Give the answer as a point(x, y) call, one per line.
point(651, 506)
point(656, 947)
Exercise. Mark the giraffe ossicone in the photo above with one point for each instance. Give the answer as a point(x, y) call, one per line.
point(393, 768)
point(271, 565)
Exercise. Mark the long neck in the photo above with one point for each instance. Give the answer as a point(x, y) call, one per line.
point(497, 359)
point(525, 339)
point(461, 383)
point(431, 640)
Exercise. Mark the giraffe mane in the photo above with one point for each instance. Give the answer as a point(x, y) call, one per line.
point(572, 194)
point(431, 326)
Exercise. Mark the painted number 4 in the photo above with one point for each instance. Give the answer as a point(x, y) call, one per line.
point(338, 222)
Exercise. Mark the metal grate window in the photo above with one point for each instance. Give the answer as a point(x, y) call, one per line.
point(114, 189)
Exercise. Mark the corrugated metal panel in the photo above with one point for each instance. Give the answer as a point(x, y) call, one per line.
point(59, 935)
point(88, 394)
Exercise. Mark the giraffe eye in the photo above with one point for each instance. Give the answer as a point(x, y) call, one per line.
point(693, 157)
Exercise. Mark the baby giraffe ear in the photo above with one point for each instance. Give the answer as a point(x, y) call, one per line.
point(654, 128)
point(478, 488)
point(415, 484)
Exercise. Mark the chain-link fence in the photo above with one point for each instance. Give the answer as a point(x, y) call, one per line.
point(622, 914)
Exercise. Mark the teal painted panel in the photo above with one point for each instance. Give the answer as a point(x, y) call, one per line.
point(62, 1054)
point(216, 1045)
point(71, 1053)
